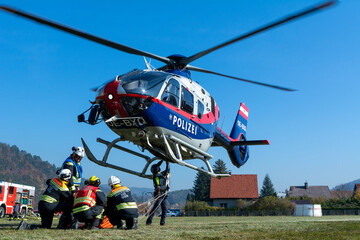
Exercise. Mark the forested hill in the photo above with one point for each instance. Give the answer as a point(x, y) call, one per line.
point(18, 166)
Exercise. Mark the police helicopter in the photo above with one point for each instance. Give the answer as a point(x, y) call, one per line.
point(163, 110)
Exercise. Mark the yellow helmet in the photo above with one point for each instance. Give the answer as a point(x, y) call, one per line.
point(94, 181)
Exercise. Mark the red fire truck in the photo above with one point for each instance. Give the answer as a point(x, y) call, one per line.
point(10, 193)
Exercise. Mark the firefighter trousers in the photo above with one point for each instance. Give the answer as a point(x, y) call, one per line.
point(47, 211)
point(164, 203)
point(131, 220)
point(91, 216)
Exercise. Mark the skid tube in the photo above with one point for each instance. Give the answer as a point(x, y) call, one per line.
point(111, 145)
point(177, 158)
point(173, 157)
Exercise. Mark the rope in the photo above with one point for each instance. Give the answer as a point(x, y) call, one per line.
point(152, 201)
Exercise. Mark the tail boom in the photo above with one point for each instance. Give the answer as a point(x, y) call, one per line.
point(236, 144)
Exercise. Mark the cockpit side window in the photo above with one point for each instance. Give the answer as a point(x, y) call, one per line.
point(200, 109)
point(187, 101)
point(171, 93)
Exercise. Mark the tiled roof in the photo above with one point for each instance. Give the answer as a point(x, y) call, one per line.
point(356, 187)
point(236, 186)
point(341, 194)
point(310, 191)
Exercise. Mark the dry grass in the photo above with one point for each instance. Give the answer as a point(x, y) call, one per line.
point(332, 227)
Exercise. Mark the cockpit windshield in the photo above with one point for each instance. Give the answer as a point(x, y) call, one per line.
point(144, 83)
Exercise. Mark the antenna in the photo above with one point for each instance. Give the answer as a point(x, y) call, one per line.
point(148, 65)
point(222, 122)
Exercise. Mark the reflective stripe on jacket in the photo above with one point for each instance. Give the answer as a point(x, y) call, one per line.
point(126, 205)
point(120, 199)
point(118, 190)
point(80, 209)
point(59, 184)
point(48, 199)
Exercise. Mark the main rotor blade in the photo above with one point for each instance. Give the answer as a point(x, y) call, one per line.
point(259, 30)
point(241, 79)
point(86, 35)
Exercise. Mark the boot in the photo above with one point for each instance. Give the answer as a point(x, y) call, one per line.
point(95, 224)
point(120, 225)
point(135, 226)
point(75, 224)
point(23, 226)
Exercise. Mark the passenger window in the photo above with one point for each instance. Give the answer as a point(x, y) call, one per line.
point(1, 189)
point(200, 109)
point(171, 93)
point(11, 190)
point(187, 101)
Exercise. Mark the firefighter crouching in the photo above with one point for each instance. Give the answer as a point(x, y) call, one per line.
point(121, 205)
point(89, 204)
point(56, 198)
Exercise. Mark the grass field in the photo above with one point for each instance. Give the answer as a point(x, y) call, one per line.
point(272, 227)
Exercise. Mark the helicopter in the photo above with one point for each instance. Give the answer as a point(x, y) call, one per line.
point(163, 110)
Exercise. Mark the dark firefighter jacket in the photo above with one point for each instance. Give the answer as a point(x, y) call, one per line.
point(57, 191)
point(120, 199)
point(161, 181)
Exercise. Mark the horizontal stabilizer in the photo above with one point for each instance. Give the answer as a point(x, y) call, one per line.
point(248, 143)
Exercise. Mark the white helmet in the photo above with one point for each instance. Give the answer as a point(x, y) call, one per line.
point(65, 174)
point(113, 180)
point(79, 151)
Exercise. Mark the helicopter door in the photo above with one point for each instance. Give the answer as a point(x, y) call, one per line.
point(171, 93)
point(187, 101)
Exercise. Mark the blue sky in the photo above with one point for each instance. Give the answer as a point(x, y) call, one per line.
point(46, 76)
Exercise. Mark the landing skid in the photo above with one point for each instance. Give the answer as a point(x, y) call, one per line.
point(112, 144)
point(169, 156)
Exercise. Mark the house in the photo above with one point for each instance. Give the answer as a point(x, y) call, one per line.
point(341, 194)
point(225, 192)
point(309, 191)
point(356, 189)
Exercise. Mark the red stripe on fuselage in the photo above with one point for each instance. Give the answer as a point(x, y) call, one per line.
point(231, 139)
point(206, 118)
point(115, 105)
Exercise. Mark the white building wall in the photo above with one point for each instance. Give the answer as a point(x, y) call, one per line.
point(308, 210)
point(230, 203)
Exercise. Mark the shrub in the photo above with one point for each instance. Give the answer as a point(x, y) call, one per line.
point(272, 203)
point(242, 204)
point(200, 206)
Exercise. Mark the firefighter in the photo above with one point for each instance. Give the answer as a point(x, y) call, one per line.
point(89, 204)
point(56, 198)
point(161, 185)
point(15, 214)
point(73, 164)
point(121, 205)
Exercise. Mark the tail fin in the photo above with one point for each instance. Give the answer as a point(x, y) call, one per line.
point(236, 144)
point(239, 154)
point(240, 123)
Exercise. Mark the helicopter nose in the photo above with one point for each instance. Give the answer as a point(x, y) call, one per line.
point(109, 97)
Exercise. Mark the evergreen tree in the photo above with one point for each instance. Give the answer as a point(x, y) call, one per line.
point(220, 167)
point(267, 188)
point(201, 189)
point(190, 197)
